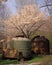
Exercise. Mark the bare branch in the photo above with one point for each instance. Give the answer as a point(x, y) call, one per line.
point(46, 5)
point(38, 27)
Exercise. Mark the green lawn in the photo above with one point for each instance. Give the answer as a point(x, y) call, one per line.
point(44, 59)
point(2, 62)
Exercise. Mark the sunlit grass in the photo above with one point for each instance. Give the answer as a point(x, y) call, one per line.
point(41, 59)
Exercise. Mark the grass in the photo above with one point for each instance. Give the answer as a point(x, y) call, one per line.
point(8, 61)
point(43, 59)
point(35, 59)
point(2, 62)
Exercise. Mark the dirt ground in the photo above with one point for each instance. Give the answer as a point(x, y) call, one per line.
point(32, 64)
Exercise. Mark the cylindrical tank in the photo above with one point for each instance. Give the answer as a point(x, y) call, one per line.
point(21, 45)
point(40, 45)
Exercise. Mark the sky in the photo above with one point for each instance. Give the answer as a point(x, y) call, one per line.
point(13, 6)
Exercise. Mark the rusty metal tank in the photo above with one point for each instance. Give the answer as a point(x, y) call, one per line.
point(40, 45)
point(16, 46)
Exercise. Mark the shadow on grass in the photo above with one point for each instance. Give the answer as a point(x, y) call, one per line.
point(7, 61)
